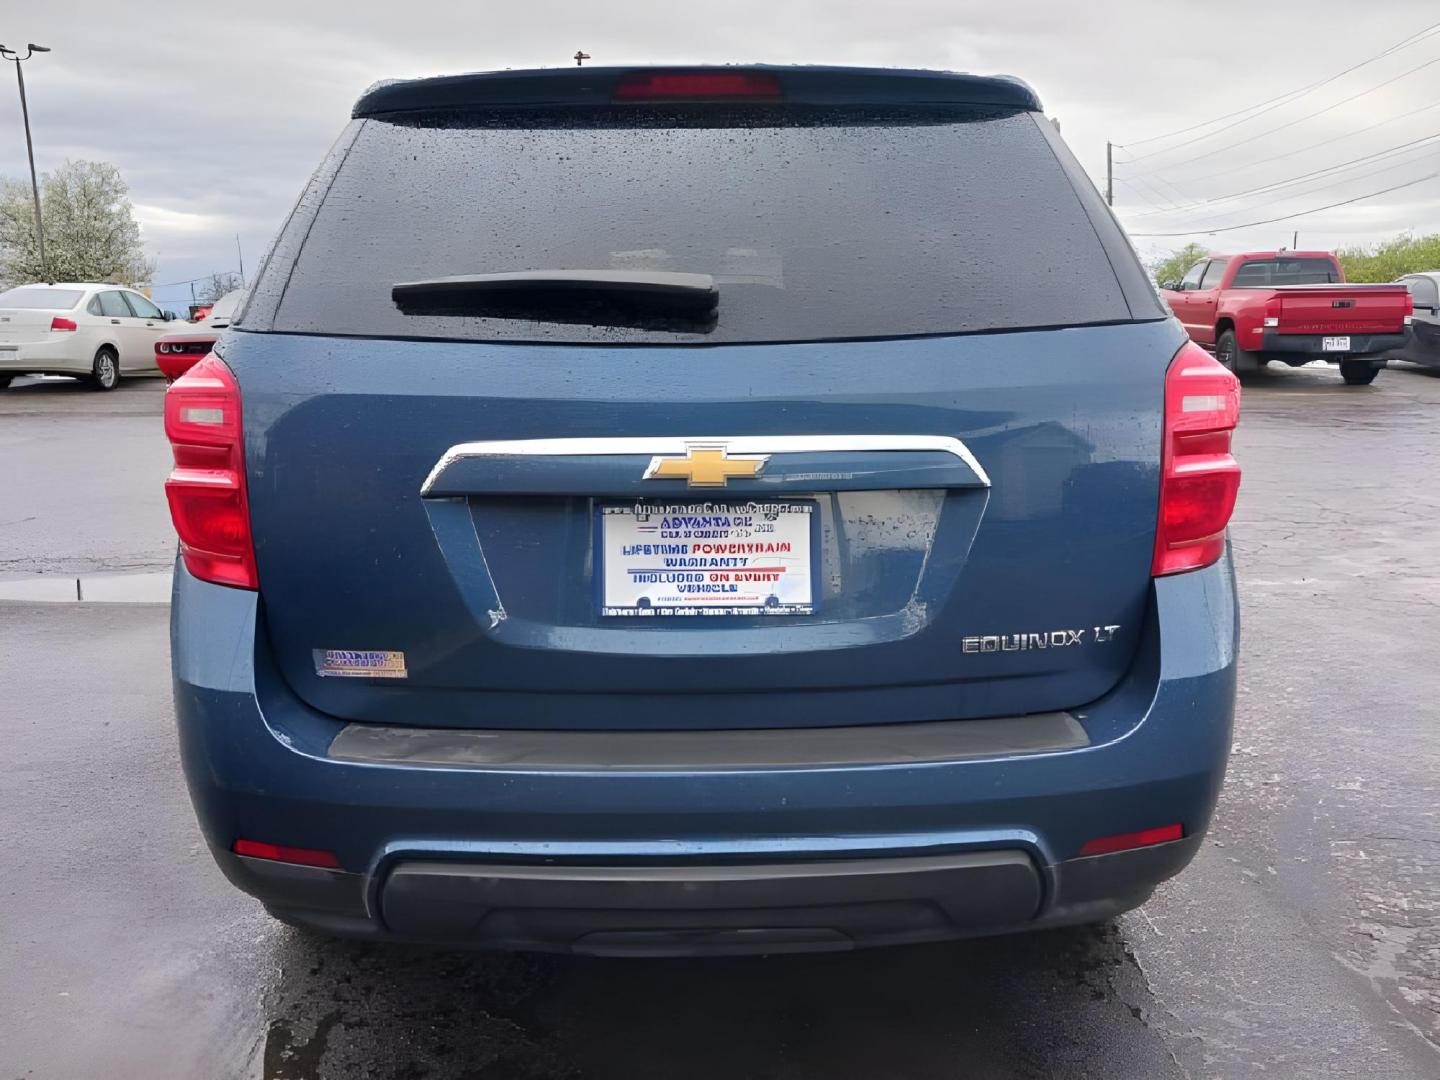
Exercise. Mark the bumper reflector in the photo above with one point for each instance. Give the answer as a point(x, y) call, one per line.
point(255, 849)
point(1105, 845)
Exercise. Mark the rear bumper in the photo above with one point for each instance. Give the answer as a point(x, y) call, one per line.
point(725, 909)
point(43, 356)
point(1307, 347)
point(679, 854)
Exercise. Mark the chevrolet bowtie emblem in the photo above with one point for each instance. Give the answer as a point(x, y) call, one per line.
point(705, 466)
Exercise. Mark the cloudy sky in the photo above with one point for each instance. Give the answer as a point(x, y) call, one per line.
point(216, 114)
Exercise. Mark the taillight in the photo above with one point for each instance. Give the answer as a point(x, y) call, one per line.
point(1198, 476)
point(1409, 309)
point(206, 489)
point(698, 86)
point(1272, 311)
point(57, 323)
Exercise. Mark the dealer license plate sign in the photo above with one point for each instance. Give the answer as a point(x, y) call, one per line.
point(694, 559)
point(1335, 344)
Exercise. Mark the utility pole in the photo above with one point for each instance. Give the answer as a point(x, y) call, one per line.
point(580, 57)
point(12, 54)
point(1110, 173)
point(1295, 241)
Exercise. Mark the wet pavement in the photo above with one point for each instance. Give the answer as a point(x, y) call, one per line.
point(1303, 942)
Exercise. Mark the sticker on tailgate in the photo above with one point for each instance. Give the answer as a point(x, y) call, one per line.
point(751, 558)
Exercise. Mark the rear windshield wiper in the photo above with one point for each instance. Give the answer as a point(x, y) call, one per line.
point(632, 298)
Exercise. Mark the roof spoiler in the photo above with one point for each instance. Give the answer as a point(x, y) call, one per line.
point(597, 86)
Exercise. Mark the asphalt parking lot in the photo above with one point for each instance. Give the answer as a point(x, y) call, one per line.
point(1303, 942)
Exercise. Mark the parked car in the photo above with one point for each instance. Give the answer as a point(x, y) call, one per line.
point(1422, 345)
point(700, 524)
point(91, 330)
point(177, 353)
point(1290, 306)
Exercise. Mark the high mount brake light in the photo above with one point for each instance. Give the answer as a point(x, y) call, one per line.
point(206, 489)
point(1198, 476)
point(698, 86)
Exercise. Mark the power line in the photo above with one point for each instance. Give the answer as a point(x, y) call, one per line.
point(1343, 166)
point(1202, 230)
point(1313, 146)
point(1385, 170)
point(1168, 184)
point(1277, 101)
point(1141, 196)
point(1300, 119)
point(187, 281)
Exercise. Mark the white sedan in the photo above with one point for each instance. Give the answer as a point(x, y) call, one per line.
point(95, 331)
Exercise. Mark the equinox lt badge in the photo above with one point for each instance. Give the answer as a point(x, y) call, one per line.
point(1049, 639)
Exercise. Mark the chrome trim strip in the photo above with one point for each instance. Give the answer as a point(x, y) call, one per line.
point(655, 446)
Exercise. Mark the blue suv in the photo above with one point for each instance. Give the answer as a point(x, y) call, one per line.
point(709, 510)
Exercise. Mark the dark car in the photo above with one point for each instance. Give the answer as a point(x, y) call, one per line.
point(1422, 344)
point(702, 511)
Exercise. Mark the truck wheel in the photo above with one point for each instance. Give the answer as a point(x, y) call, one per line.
point(1227, 350)
point(1358, 372)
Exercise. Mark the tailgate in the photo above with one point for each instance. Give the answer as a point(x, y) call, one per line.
point(902, 465)
point(1342, 309)
point(940, 588)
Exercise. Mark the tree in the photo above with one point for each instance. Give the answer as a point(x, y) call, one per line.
point(216, 286)
point(1389, 259)
point(90, 229)
point(1172, 267)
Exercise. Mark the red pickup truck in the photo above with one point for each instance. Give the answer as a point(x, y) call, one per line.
point(1290, 306)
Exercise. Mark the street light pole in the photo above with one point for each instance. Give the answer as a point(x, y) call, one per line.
point(10, 54)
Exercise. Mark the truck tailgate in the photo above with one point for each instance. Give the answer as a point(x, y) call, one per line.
point(1340, 309)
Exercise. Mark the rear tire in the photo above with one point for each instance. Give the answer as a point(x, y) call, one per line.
point(1231, 356)
point(105, 371)
point(1358, 372)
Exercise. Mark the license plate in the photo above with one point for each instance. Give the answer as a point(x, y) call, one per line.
point(1335, 344)
point(743, 558)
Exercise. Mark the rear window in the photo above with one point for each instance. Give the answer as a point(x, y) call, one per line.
point(1271, 272)
point(38, 296)
point(815, 224)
